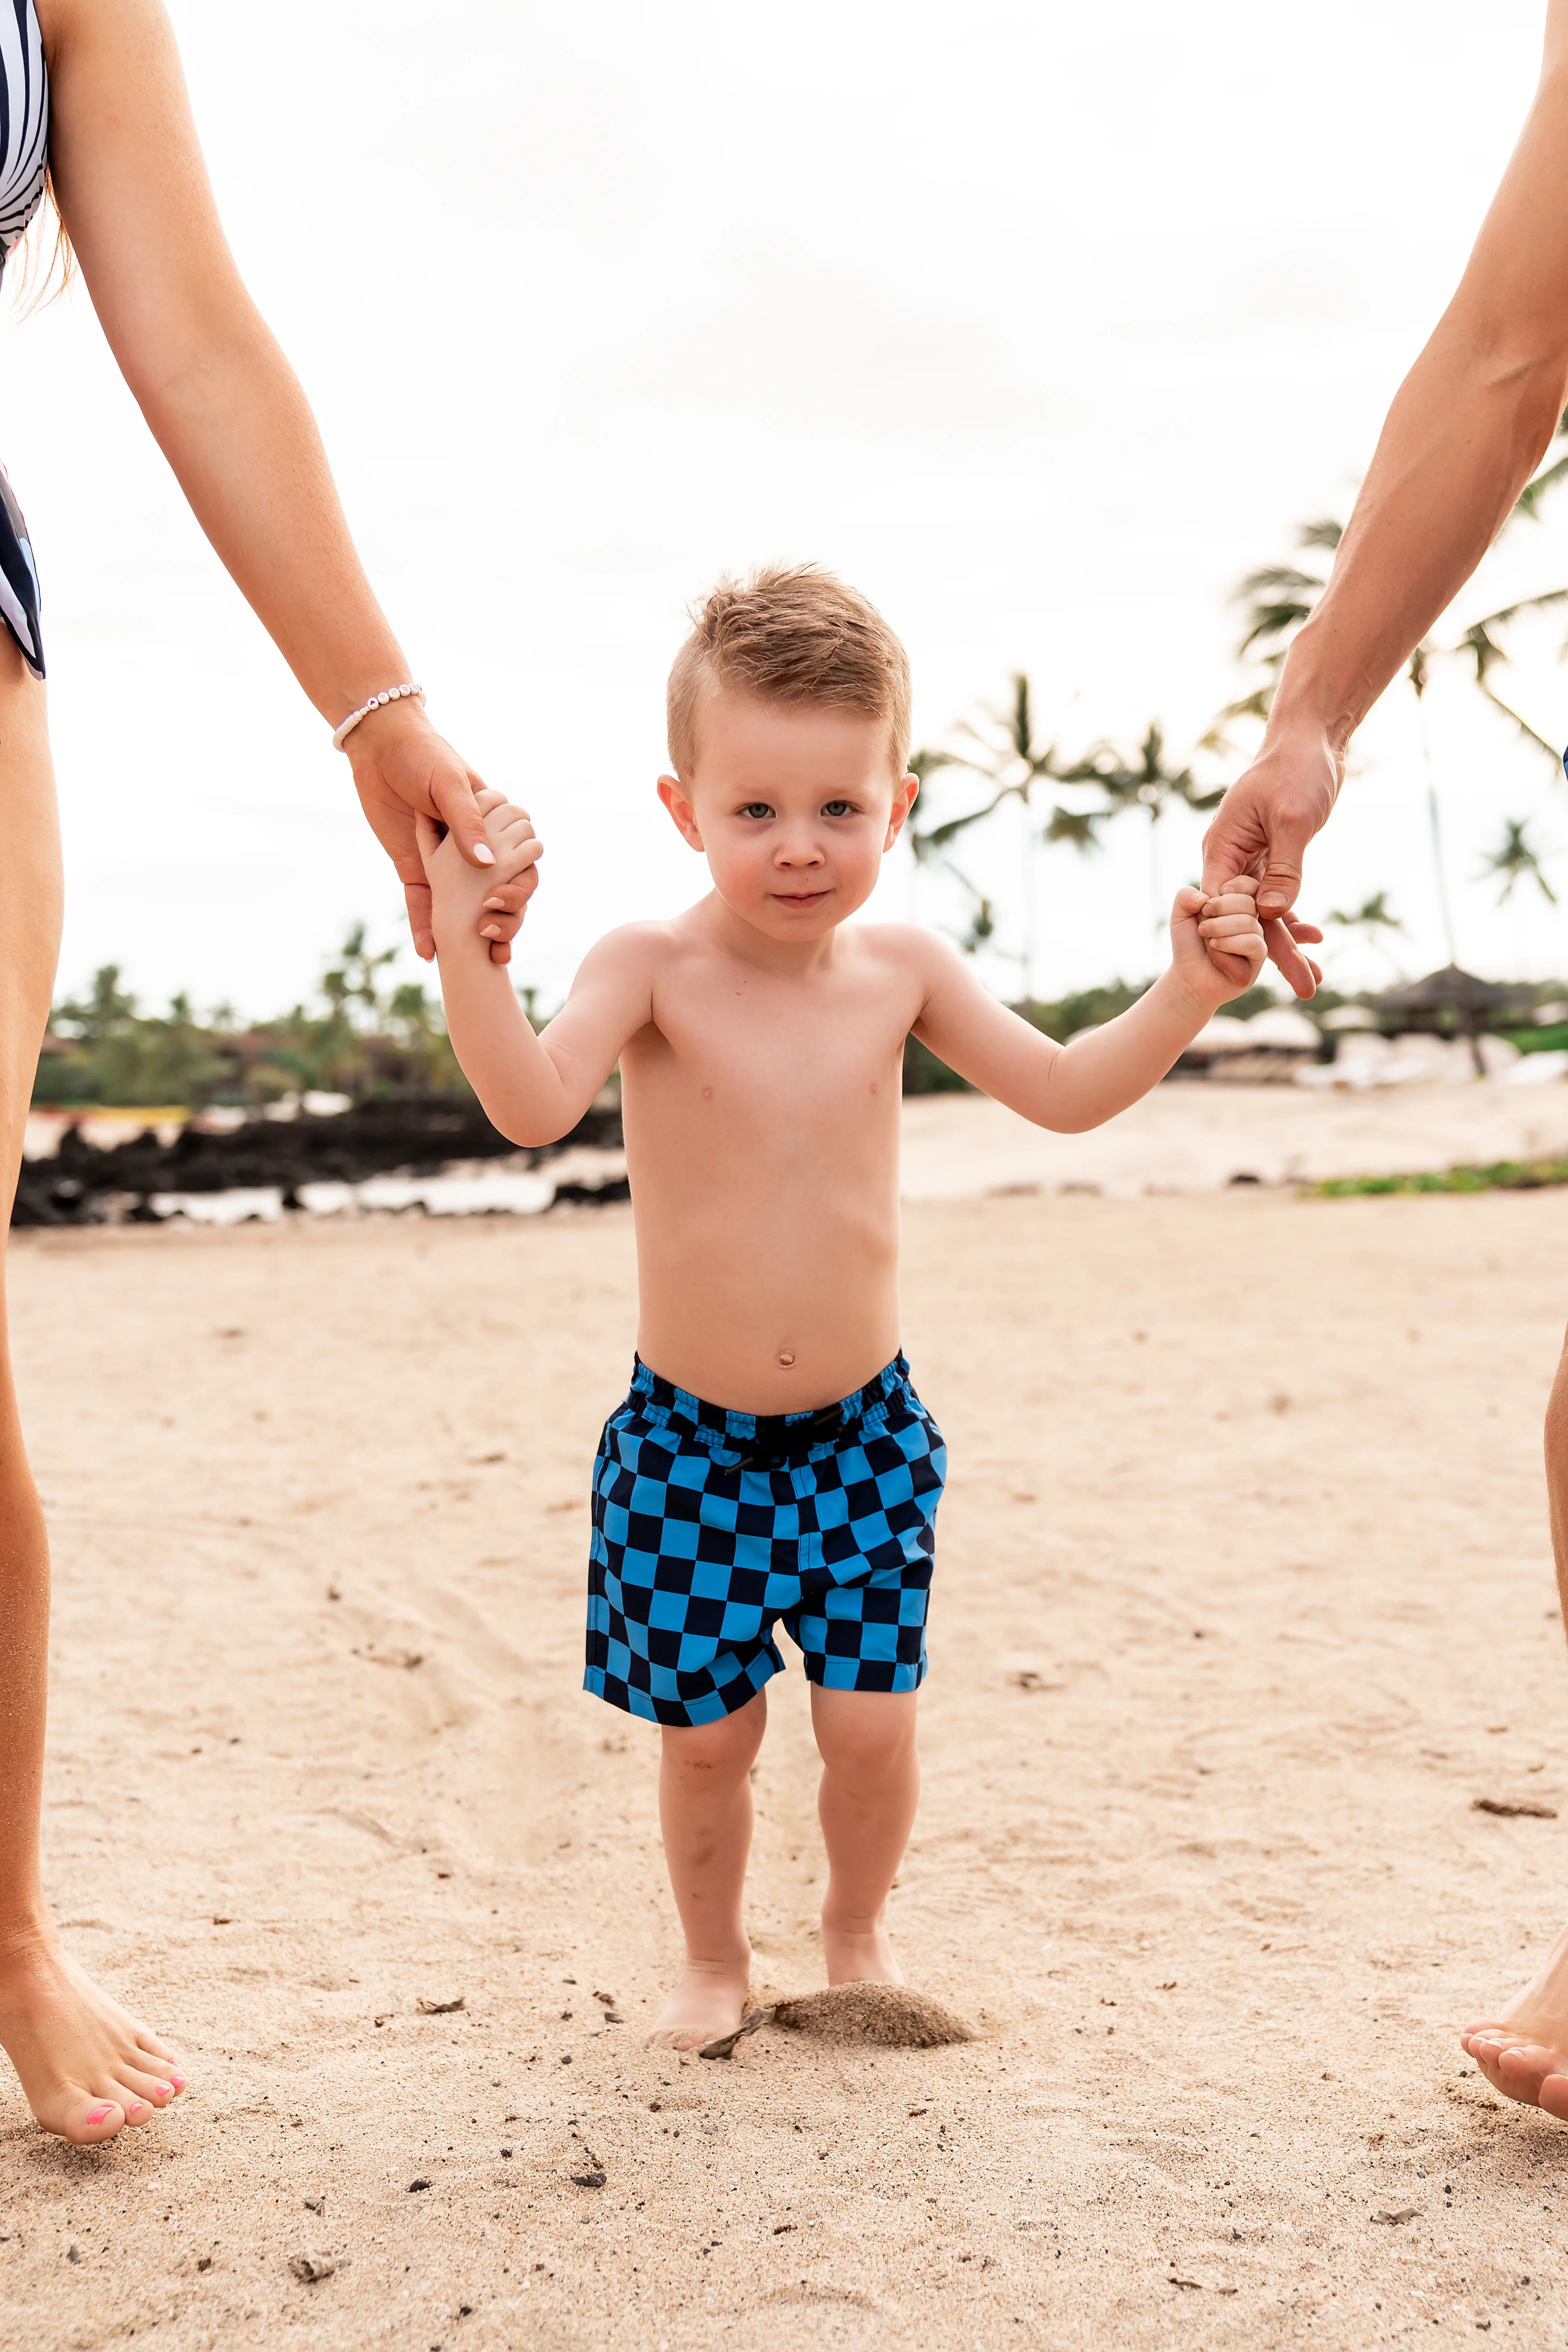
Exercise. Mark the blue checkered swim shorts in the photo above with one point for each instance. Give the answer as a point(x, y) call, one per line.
point(713, 1528)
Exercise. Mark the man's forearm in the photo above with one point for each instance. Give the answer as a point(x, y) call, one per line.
point(1466, 430)
point(1463, 437)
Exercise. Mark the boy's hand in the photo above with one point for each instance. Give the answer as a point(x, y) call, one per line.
point(462, 895)
point(1216, 943)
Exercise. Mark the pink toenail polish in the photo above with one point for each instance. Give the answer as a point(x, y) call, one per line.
point(179, 2082)
point(98, 2115)
point(165, 2090)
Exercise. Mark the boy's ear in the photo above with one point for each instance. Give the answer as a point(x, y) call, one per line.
point(672, 794)
point(904, 793)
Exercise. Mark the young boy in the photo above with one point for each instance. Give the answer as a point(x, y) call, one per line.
point(773, 1464)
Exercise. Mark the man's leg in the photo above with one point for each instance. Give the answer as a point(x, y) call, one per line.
point(1524, 2050)
point(870, 1786)
point(705, 1813)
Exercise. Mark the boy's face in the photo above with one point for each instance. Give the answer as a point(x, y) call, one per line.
point(794, 808)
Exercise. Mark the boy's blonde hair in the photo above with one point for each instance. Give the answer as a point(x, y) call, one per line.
point(790, 633)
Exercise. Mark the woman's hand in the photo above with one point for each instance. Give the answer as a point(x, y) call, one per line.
point(403, 769)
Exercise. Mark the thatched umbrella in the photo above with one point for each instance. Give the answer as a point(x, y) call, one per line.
point(1452, 999)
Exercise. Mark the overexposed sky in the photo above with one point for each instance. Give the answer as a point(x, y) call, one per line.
point(1041, 323)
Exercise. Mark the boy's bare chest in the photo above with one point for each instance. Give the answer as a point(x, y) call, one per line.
point(808, 1058)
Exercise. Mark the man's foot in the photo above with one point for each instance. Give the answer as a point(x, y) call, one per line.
point(860, 1955)
point(709, 2001)
point(85, 2067)
point(1523, 2049)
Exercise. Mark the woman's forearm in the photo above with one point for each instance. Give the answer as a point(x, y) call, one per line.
point(239, 432)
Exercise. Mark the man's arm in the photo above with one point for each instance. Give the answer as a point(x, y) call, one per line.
point(1466, 430)
point(227, 411)
point(1070, 1088)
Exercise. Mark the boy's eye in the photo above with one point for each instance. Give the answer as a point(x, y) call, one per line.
point(757, 809)
point(838, 808)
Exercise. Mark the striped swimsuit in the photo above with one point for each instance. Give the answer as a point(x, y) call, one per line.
point(23, 160)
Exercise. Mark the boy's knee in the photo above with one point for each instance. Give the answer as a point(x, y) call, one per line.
point(711, 1750)
point(864, 1732)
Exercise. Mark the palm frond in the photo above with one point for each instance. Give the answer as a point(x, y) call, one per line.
point(1078, 827)
point(1272, 621)
point(1327, 533)
point(1272, 577)
point(1528, 499)
point(1523, 724)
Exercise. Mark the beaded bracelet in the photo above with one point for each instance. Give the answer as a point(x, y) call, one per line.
point(393, 694)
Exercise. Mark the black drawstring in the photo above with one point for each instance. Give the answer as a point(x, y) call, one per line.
point(799, 1438)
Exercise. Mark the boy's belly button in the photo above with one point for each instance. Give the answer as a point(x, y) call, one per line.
point(785, 1358)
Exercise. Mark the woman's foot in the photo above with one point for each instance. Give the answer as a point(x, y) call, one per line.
point(1524, 2050)
point(709, 2001)
point(860, 1955)
point(87, 2069)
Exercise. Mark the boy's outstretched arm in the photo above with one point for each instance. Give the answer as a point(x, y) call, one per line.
point(1071, 1088)
point(534, 1089)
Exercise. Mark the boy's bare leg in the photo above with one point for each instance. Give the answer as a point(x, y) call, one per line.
point(1522, 2050)
point(870, 1786)
point(705, 1813)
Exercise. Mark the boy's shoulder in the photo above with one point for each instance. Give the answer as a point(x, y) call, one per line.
point(903, 947)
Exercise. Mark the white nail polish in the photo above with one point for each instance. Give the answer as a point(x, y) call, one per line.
point(485, 856)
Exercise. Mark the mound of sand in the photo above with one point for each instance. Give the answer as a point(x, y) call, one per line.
point(893, 2015)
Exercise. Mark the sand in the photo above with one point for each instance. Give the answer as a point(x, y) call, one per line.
point(1243, 1598)
point(1192, 1136)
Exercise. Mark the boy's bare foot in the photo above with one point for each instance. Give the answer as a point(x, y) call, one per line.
point(709, 2001)
point(87, 2068)
point(860, 1955)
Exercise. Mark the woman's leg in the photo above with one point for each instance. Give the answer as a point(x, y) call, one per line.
point(705, 1813)
point(870, 1786)
point(85, 2067)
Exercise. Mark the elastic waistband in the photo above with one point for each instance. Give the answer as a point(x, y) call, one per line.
point(768, 1433)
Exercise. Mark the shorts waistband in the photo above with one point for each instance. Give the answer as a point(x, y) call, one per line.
point(772, 1433)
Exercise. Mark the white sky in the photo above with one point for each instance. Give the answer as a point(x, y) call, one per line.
point(1040, 322)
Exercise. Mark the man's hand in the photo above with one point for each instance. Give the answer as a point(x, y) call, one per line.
point(461, 893)
point(404, 769)
point(1261, 828)
point(1216, 942)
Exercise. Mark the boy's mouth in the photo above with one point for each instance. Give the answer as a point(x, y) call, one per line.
point(799, 897)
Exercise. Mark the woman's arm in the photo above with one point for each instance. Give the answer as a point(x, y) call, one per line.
point(1466, 430)
point(227, 411)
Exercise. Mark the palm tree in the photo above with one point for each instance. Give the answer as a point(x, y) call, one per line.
point(1515, 859)
point(1002, 748)
point(1373, 918)
point(1142, 782)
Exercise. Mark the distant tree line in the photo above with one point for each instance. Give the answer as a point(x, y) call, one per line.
point(361, 1035)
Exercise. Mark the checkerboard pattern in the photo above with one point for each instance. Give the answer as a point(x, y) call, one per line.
point(711, 1528)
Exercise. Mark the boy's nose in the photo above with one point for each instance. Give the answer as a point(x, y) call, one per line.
point(798, 853)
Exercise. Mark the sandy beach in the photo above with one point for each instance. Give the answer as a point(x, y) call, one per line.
point(1243, 1598)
